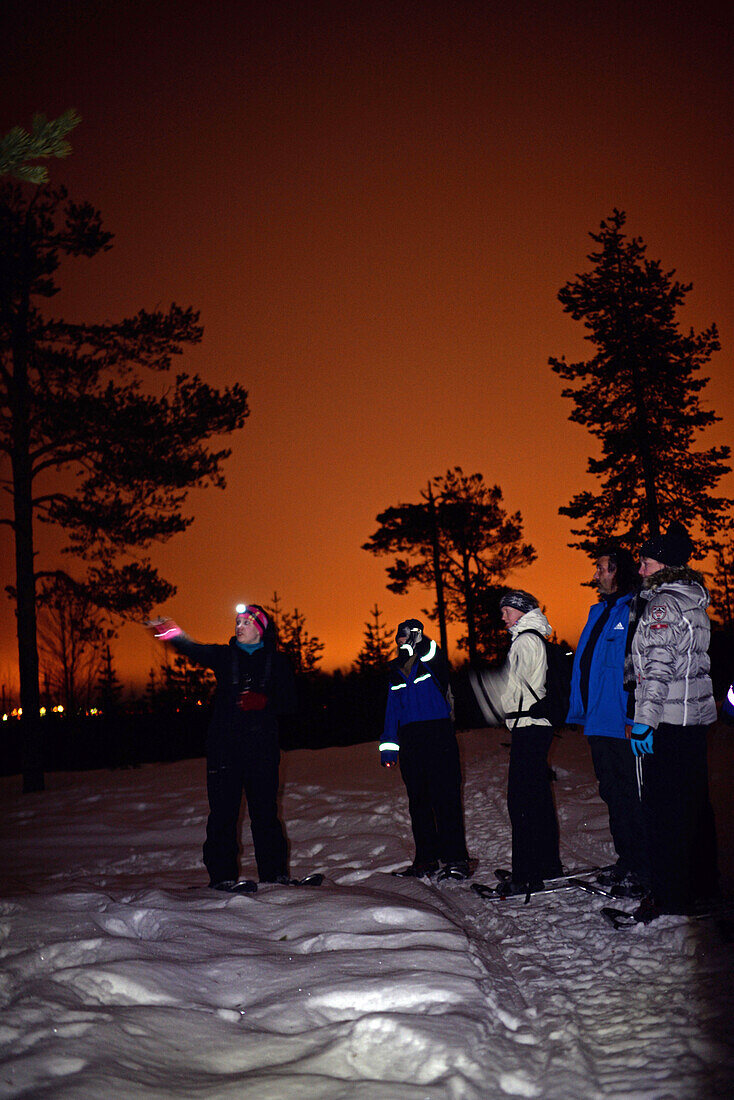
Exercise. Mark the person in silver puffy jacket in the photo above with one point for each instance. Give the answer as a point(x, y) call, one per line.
point(674, 706)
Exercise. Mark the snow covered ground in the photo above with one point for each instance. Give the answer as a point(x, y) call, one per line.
point(123, 976)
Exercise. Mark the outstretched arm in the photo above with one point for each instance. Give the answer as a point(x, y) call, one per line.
point(163, 629)
point(169, 632)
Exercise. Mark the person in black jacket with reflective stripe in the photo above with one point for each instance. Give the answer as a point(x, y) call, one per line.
point(255, 686)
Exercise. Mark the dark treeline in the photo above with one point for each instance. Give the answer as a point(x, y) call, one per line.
point(339, 708)
point(334, 709)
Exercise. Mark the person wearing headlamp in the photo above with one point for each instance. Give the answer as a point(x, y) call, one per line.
point(419, 735)
point(255, 688)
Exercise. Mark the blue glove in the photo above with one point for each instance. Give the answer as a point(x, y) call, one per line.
point(388, 757)
point(641, 739)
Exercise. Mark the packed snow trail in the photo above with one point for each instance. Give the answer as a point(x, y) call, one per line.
point(119, 977)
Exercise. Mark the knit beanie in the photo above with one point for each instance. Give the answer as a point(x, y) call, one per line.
point(407, 625)
point(674, 548)
point(256, 613)
point(520, 600)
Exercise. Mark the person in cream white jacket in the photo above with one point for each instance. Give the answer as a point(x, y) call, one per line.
point(508, 696)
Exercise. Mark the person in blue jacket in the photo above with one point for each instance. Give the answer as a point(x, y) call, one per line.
point(600, 704)
point(419, 734)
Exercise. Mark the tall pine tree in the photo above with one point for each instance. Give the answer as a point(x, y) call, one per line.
point(639, 396)
point(77, 399)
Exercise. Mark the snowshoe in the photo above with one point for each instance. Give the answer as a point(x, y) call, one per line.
point(314, 879)
point(483, 891)
point(417, 870)
point(458, 871)
point(235, 886)
point(503, 874)
point(510, 888)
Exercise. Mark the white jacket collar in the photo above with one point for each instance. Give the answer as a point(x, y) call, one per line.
point(532, 620)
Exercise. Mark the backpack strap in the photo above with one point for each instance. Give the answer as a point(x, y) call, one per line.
point(526, 713)
point(266, 671)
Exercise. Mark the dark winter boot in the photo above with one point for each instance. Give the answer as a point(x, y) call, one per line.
point(418, 870)
point(232, 886)
point(510, 887)
point(646, 911)
point(610, 876)
point(629, 886)
point(456, 871)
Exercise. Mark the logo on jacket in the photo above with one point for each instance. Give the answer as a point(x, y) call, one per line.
point(657, 613)
point(619, 627)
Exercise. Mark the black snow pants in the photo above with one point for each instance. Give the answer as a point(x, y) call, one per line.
point(247, 765)
point(530, 806)
point(614, 767)
point(679, 819)
point(431, 771)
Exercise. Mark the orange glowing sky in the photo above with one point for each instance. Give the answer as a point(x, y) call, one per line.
point(374, 205)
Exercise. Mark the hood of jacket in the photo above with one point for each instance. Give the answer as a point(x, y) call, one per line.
point(686, 583)
point(532, 620)
point(670, 651)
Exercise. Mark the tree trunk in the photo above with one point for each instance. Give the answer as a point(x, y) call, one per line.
point(438, 574)
point(469, 604)
point(25, 584)
point(643, 439)
point(31, 732)
point(648, 469)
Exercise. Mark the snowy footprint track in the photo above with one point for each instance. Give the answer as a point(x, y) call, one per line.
point(369, 987)
point(721, 917)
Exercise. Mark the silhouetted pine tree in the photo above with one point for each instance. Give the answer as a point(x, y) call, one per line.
point(72, 400)
point(722, 586)
point(639, 395)
point(377, 646)
point(109, 688)
point(187, 684)
point(459, 541)
point(304, 650)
